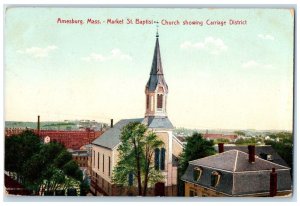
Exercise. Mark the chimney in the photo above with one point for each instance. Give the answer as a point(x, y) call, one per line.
point(111, 123)
point(251, 151)
point(38, 125)
point(273, 183)
point(221, 147)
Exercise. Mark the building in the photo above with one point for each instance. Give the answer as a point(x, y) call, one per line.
point(236, 174)
point(230, 137)
point(104, 151)
point(70, 139)
point(265, 152)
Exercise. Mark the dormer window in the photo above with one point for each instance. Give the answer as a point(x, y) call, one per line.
point(269, 157)
point(197, 173)
point(215, 178)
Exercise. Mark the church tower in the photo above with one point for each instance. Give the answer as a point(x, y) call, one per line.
point(156, 88)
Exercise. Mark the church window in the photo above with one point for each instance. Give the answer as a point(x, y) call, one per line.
point(162, 158)
point(130, 179)
point(98, 160)
point(156, 159)
point(108, 166)
point(103, 164)
point(159, 101)
point(148, 101)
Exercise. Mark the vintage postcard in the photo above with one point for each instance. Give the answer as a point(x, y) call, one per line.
point(169, 102)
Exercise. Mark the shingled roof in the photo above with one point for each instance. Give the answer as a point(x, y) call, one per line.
point(158, 122)
point(111, 137)
point(238, 176)
point(259, 151)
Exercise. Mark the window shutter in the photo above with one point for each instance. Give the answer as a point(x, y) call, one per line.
point(156, 159)
point(162, 158)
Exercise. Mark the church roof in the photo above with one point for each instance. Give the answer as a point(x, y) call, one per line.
point(156, 74)
point(111, 138)
point(158, 122)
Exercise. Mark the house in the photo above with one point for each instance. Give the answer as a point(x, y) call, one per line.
point(263, 151)
point(104, 149)
point(234, 173)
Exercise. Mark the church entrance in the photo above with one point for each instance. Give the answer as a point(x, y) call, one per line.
point(159, 189)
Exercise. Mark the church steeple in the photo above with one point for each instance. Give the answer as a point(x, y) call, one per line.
point(156, 87)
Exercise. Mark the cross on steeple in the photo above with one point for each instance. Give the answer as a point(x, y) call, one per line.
point(157, 25)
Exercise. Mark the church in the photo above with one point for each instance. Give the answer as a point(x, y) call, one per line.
point(104, 149)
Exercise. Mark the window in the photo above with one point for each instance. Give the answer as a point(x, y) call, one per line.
point(148, 101)
point(130, 179)
point(103, 164)
point(162, 158)
point(98, 160)
point(197, 173)
point(215, 178)
point(159, 101)
point(156, 159)
point(269, 157)
point(108, 166)
point(94, 159)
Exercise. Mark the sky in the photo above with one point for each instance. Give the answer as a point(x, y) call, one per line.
point(219, 77)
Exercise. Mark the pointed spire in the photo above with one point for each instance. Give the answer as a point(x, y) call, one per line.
point(156, 74)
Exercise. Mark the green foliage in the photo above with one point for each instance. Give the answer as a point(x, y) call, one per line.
point(195, 148)
point(84, 187)
point(240, 133)
point(246, 141)
point(221, 140)
point(18, 149)
point(284, 145)
point(136, 156)
point(41, 165)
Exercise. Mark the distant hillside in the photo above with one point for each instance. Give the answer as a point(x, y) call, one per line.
point(66, 125)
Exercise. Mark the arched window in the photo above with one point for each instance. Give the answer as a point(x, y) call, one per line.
point(197, 173)
point(156, 159)
point(162, 158)
point(159, 101)
point(215, 178)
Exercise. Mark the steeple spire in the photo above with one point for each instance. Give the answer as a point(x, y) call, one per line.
point(156, 87)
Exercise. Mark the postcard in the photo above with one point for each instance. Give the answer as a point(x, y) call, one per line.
point(161, 102)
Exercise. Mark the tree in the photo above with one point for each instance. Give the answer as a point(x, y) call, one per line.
point(136, 153)
point(48, 166)
point(284, 146)
point(195, 148)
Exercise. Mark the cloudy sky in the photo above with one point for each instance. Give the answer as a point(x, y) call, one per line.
point(229, 77)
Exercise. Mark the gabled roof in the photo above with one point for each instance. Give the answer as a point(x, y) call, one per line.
point(111, 137)
point(156, 74)
point(235, 161)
